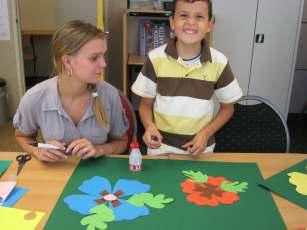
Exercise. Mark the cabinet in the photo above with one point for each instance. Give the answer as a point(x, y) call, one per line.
point(132, 61)
point(260, 38)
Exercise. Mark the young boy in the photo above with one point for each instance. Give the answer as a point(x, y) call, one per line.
point(177, 83)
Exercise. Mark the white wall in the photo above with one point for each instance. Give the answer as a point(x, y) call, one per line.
point(37, 15)
point(10, 65)
point(49, 14)
point(66, 10)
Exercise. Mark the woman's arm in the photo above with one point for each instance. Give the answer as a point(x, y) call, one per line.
point(50, 155)
point(85, 149)
point(25, 142)
point(114, 146)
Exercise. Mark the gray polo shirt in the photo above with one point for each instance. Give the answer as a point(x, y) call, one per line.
point(41, 109)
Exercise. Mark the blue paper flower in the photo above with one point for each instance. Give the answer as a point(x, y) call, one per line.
point(98, 190)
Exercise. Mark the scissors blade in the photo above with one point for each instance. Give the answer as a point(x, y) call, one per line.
point(20, 166)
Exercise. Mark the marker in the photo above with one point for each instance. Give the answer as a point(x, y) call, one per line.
point(46, 146)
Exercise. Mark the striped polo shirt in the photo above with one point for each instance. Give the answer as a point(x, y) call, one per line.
point(183, 92)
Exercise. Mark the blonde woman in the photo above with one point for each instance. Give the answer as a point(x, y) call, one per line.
point(74, 110)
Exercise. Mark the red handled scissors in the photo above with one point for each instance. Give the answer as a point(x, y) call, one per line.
point(22, 159)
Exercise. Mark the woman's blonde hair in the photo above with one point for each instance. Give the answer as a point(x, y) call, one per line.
point(68, 40)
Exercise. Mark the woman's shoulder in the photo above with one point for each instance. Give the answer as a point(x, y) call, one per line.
point(42, 87)
point(106, 88)
point(38, 91)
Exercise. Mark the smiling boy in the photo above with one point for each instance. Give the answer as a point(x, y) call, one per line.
point(178, 81)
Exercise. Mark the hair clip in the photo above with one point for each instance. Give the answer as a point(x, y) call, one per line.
point(94, 94)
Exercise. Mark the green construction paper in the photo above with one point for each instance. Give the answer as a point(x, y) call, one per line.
point(255, 209)
point(196, 176)
point(101, 214)
point(234, 187)
point(4, 166)
point(150, 200)
point(279, 184)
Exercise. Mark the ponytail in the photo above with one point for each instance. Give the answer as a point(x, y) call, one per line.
point(98, 107)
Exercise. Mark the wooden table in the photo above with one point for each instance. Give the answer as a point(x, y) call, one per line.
point(46, 181)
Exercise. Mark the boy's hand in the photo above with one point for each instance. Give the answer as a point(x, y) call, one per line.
point(197, 145)
point(152, 137)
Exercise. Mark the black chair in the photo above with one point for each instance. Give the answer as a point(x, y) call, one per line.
point(256, 127)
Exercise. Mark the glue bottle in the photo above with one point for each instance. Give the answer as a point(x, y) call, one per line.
point(135, 157)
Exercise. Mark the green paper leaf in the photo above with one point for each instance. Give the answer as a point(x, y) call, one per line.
point(100, 215)
point(234, 187)
point(196, 176)
point(149, 199)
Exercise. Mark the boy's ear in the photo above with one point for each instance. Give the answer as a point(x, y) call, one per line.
point(171, 23)
point(210, 25)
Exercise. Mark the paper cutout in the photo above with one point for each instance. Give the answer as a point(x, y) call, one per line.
point(157, 201)
point(12, 218)
point(196, 176)
point(234, 187)
point(209, 190)
point(101, 214)
point(4, 166)
point(100, 199)
point(300, 181)
point(14, 196)
point(5, 189)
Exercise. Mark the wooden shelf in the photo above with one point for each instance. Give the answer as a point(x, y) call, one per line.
point(131, 19)
point(135, 59)
point(148, 12)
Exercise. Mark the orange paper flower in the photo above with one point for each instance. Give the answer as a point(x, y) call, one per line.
point(208, 193)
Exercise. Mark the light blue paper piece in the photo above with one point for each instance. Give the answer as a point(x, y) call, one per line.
point(14, 196)
point(92, 188)
point(127, 211)
point(81, 203)
point(130, 187)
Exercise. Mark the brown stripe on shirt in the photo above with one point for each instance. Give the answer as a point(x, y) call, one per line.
point(225, 78)
point(148, 70)
point(177, 140)
point(170, 86)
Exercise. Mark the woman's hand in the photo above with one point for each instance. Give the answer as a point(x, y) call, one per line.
point(52, 155)
point(83, 148)
point(152, 137)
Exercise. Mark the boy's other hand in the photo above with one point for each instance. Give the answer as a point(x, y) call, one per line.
point(152, 137)
point(197, 145)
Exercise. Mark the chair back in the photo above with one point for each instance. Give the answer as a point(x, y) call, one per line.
point(131, 117)
point(255, 127)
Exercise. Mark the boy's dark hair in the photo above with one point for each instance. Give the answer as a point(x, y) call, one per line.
point(209, 2)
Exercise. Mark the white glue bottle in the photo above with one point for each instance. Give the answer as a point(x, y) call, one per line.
point(135, 157)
